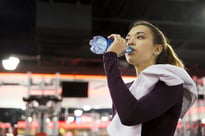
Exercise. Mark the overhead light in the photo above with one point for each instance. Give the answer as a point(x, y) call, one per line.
point(29, 119)
point(78, 113)
point(86, 107)
point(70, 119)
point(104, 118)
point(203, 121)
point(10, 63)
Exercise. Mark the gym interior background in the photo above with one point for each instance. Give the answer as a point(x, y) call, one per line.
point(51, 40)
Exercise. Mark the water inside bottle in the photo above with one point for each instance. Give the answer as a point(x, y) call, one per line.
point(99, 45)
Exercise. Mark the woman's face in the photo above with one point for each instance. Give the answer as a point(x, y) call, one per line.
point(141, 39)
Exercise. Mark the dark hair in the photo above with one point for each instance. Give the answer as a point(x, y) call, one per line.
point(168, 55)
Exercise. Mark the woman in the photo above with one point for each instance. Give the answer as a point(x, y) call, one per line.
point(162, 92)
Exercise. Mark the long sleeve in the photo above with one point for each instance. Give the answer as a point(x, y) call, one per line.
point(130, 110)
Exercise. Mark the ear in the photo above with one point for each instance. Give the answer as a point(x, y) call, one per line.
point(158, 49)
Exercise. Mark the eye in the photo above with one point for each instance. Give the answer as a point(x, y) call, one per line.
point(127, 37)
point(140, 37)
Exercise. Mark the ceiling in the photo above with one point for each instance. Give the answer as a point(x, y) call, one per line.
point(52, 36)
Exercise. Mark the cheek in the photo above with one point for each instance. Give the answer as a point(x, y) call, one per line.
point(145, 49)
point(143, 55)
point(145, 52)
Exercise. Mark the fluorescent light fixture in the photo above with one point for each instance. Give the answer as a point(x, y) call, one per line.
point(11, 63)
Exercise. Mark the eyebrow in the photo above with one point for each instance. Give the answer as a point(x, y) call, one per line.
point(137, 33)
point(140, 32)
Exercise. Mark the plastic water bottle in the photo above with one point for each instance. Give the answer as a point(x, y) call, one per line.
point(100, 44)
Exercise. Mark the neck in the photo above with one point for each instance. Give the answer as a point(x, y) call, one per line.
point(140, 68)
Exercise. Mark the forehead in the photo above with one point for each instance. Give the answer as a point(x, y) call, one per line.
point(140, 28)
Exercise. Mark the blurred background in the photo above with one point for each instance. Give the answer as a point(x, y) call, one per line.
point(50, 38)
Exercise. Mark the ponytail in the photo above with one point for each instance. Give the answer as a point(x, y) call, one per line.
point(169, 56)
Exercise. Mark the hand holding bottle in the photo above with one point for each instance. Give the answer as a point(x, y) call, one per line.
point(100, 45)
point(118, 45)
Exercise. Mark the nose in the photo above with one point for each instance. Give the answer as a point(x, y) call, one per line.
point(130, 41)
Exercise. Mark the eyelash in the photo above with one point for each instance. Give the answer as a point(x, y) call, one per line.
point(140, 37)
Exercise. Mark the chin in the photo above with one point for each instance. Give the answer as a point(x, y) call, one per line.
point(130, 60)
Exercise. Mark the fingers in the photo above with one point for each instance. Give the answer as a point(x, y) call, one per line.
point(118, 45)
point(114, 36)
point(117, 39)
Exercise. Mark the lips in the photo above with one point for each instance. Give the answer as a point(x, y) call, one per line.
point(131, 53)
